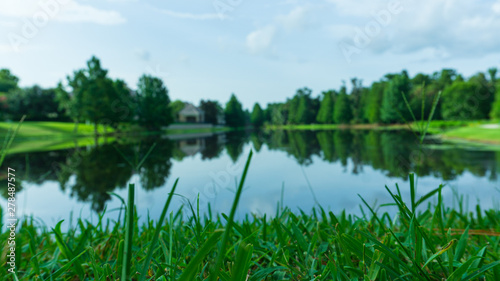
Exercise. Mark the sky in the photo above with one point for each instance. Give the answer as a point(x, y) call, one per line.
point(262, 51)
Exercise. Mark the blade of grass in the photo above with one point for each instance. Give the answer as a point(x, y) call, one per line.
point(222, 252)
point(61, 270)
point(190, 270)
point(433, 109)
point(9, 138)
point(242, 262)
point(157, 233)
point(129, 233)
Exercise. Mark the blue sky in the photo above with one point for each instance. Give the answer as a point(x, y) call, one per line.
point(260, 50)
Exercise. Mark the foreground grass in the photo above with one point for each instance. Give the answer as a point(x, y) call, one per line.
point(435, 243)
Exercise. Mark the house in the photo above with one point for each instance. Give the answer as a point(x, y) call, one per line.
point(221, 119)
point(191, 114)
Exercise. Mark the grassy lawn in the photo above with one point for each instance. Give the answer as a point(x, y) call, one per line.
point(45, 136)
point(476, 133)
point(33, 129)
point(50, 144)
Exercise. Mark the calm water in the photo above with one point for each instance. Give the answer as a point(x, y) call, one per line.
point(327, 167)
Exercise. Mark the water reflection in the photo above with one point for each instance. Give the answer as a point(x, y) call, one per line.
point(91, 172)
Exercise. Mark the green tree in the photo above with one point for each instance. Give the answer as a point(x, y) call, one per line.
point(276, 113)
point(484, 95)
point(92, 96)
point(466, 100)
point(325, 113)
point(36, 103)
point(123, 104)
point(374, 102)
point(495, 108)
point(234, 114)
point(356, 100)
point(175, 107)
point(421, 79)
point(257, 118)
point(342, 113)
point(393, 105)
point(152, 103)
point(8, 81)
point(69, 104)
point(212, 110)
point(302, 109)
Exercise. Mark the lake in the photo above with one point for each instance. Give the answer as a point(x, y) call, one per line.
point(298, 168)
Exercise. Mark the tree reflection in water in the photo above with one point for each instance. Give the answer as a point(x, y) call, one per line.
point(91, 172)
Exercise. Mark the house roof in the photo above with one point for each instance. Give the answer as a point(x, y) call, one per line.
point(190, 109)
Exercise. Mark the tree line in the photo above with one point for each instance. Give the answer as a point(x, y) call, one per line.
point(89, 95)
point(477, 97)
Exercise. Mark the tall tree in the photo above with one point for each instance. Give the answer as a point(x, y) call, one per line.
point(374, 102)
point(302, 109)
point(325, 113)
point(484, 95)
point(234, 114)
point(465, 101)
point(257, 118)
point(276, 113)
point(342, 113)
point(8, 81)
point(175, 107)
point(212, 110)
point(152, 103)
point(36, 103)
point(393, 105)
point(495, 107)
point(93, 96)
point(356, 99)
point(123, 106)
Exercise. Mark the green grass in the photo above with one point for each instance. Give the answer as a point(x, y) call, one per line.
point(47, 136)
point(423, 242)
point(30, 145)
point(33, 129)
point(474, 133)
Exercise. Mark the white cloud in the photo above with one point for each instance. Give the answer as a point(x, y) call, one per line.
point(296, 19)
point(190, 15)
point(60, 10)
point(74, 12)
point(260, 39)
point(449, 28)
point(496, 7)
